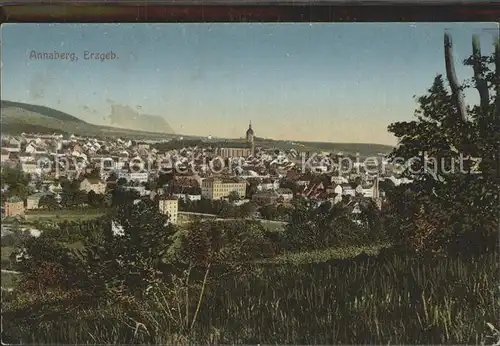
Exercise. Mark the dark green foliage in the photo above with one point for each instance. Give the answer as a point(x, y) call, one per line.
point(233, 196)
point(16, 238)
point(224, 242)
point(399, 214)
point(269, 212)
point(332, 225)
point(47, 261)
point(371, 221)
point(17, 182)
point(464, 198)
point(227, 210)
point(123, 198)
point(251, 189)
point(129, 257)
point(97, 200)
point(247, 209)
point(275, 212)
point(204, 206)
point(47, 264)
point(107, 264)
point(48, 201)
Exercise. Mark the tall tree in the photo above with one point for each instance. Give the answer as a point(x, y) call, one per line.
point(443, 142)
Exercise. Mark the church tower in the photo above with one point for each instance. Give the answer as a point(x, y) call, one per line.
point(376, 192)
point(250, 138)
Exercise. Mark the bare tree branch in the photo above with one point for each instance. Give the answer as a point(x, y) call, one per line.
point(452, 77)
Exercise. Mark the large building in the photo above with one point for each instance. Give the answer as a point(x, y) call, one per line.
point(247, 149)
point(92, 184)
point(217, 188)
point(227, 153)
point(14, 206)
point(170, 206)
point(141, 177)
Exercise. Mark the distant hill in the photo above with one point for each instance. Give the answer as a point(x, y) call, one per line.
point(46, 111)
point(363, 149)
point(18, 117)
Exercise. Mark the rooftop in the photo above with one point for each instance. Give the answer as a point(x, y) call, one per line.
point(225, 180)
point(269, 193)
point(169, 198)
point(93, 180)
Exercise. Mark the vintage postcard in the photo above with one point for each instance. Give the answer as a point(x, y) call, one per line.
point(250, 183)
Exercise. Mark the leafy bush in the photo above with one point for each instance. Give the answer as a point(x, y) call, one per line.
point(325, 226)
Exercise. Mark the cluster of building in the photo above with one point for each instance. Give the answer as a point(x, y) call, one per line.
point(259, 175)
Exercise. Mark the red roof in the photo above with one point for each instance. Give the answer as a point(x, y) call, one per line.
point(313, 190)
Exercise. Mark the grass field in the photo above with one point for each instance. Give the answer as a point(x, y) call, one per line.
point(69, 215)
point(319, 256)
point(389, 299)
point(273, 226)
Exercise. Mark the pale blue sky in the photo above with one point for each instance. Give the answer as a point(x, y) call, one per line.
point(324, 82)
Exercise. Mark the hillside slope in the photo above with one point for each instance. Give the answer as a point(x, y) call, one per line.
point(42, 110)
point(26, 119)
point(17, 117)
